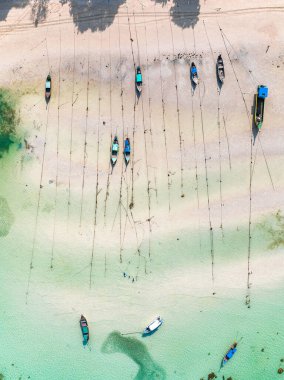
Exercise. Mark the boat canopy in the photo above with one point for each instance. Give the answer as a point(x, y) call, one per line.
point(262, 92)
point(115, 147)
point(138, 77)
point(231, 353)
point(127, 148)
point(154, 325)
point(48, 84)
point(194, 70)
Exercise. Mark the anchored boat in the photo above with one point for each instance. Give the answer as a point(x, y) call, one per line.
point(231, 352)
point(220, 69)
point(48, 87)
point(153, 326)
point(193, 73)
point(84, 329)
point(114, 151)
point(126, 151)
point(262, 93)
point(138, 80)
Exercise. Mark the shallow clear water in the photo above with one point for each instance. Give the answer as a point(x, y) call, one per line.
point(41, 339)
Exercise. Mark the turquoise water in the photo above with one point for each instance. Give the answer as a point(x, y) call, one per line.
point(42, 339)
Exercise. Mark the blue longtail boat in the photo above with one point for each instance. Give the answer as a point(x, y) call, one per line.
point(127, 150)
point(230, 353)
point(262, 93)
point(85, 329)
point(193, 73)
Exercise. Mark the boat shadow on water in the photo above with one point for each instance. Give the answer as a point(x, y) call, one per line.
point(138, 352)
point(145, 335)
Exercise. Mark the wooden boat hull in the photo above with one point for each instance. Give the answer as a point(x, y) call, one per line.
point(48, 88)
point(85, 329)
point(194, 74)
point(114, 151)
point(194, 80)
point(259, 111)
point(139, 88)
point(126, 158)
point(126, 151)
point(221, 76)
point(113, 160)
point(138, 80)
point(220, 69)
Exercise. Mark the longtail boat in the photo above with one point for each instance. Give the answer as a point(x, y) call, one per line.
point(126, 151)
point(220, 69)
point(153, 326)
point(230, 353)
point(114, 150)
point(262, 93)
point(48, 88)
point(193, 73)
point(85, 329)
point(138, 80)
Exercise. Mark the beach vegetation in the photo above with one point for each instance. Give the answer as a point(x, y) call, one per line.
point(274, 228)
point(8, 119)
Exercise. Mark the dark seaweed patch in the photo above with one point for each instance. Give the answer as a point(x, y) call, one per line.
point(138, 352)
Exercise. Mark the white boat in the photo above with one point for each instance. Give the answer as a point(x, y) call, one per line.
point(153, 326)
